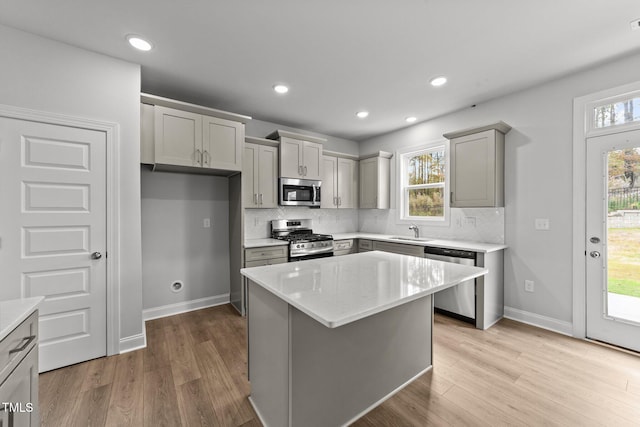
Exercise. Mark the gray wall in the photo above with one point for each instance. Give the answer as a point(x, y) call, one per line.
point(41, 74)
point(538, 177)
point(175, 244)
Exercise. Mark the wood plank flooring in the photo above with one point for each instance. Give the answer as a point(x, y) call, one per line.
point(193, 373)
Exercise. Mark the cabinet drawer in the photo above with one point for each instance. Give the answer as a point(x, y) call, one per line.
point(267, 252)
point(262, 262)
point(365, 245)
point(17, 344)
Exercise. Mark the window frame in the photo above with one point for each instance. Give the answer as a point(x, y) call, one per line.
point(402, 187)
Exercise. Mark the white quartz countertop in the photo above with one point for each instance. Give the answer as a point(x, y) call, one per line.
point(438, 243)
point(257, 243)
point(15, 311)
point(336, 291)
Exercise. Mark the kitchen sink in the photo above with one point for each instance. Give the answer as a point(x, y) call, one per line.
point(413, 239)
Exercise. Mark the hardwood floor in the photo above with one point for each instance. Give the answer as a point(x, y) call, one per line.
point(193, 372)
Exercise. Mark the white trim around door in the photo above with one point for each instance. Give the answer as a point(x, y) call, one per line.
point(112, 131)
point(582, 129)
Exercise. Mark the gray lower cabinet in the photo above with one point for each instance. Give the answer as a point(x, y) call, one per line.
point(258, 257)
point(365, 245)
point(19, 375)
point(399, 248)
point(344, 247)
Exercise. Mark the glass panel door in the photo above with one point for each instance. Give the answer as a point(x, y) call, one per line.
point(613, 239)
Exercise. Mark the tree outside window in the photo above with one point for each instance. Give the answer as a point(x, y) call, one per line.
point(423, 186)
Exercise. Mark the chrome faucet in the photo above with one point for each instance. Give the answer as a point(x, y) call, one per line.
point(416, 230)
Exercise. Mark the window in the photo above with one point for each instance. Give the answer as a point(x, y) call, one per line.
point(423, 184)
point(616, 113)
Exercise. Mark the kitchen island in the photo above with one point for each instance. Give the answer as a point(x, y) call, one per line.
point(331, 338)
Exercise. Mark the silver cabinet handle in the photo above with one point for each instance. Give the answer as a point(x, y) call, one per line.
point(305, 171)
point(260, 197)
point(339, 201)
point(300, 170)
point(24, 346)
point(335, 201)
point(96, 255)
point(594, 254)
point(198, 157)
point(206, 157)
point(255, 198)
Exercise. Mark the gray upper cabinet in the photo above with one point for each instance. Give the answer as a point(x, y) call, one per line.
point(300, 155)
point(477, 166)
point(177, 136)
point(260, 176)
point(339, 183)
point(374, 181)
point(222, 143)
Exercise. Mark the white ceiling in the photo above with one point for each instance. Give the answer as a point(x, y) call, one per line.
point(340, 56)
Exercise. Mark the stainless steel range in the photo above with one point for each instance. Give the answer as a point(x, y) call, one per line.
point(303, 242)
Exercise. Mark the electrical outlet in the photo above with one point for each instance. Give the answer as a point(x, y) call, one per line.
point(529, 285)
point(206, 223)
point(470, 221)
point(542, 223)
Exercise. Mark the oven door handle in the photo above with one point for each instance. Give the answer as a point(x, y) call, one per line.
point(314, 251)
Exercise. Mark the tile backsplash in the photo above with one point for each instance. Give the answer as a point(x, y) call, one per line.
point(475, 224)
point(257, 222)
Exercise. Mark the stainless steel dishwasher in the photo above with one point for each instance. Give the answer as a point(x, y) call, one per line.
point(460, 300)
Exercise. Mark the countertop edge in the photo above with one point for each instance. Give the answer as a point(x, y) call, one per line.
point(335, 323)
point(440, 243)
point(19, 309)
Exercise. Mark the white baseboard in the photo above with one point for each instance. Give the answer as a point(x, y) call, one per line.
point(183, 307)
point(544, 322)
point(132, 343)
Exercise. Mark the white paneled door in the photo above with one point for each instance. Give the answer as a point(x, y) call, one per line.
point(613, 239)
point(53, 233)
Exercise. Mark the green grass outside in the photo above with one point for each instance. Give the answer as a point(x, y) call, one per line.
point(624, 261)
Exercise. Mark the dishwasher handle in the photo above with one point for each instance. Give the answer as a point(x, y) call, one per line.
point(455, 253)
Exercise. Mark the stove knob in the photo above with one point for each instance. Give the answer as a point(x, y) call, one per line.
point(297, 246)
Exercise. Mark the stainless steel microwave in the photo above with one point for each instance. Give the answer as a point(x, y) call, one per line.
point(299, 192)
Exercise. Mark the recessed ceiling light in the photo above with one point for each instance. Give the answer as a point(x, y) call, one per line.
point(438, 81)
point(281, 89)
point(411, 119)
point(362, 114)
point(139, 43)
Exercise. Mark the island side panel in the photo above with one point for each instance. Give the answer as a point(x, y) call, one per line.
point(353, 367)
point(490, 290)
point(268, 348)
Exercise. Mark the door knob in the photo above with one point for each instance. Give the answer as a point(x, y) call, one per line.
point(96, 255)
point(594, 254)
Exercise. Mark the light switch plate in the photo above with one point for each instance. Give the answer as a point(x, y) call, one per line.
point(542, 223)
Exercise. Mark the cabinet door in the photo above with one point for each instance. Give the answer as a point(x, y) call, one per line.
point(250, 175)
point(178, 137)
point(312, 160)
point(347, 188)
point(222, 143)
point(290, 158)
point(328, 194)
point(369, 183)
point(473, 170)
point(267, 182)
